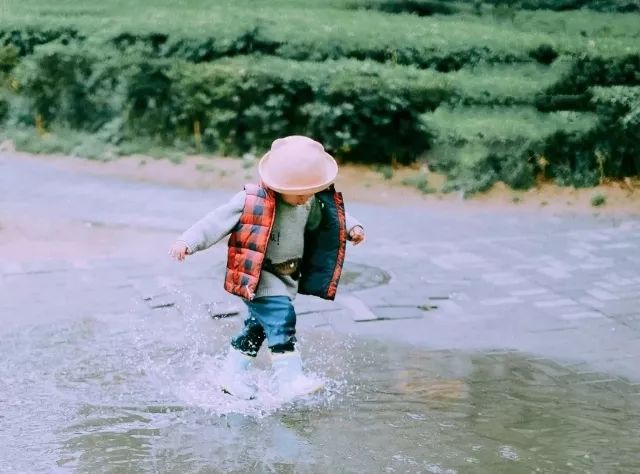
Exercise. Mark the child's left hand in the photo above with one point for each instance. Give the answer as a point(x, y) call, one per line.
point(356, 235)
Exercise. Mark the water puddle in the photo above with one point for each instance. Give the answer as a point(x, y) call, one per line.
point(137, 393)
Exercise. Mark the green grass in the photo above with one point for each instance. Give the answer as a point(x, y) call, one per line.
point(598, 200)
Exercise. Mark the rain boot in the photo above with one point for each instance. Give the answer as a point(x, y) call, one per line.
point(233, 375)
point(290, 380)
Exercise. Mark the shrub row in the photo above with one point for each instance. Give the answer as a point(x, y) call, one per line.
point(624, 6)
point(618, 133)
point(363, 111)
point(476, 146)
point(572, 90)
point(443, 43)
point(503, 85)
point(446, 7)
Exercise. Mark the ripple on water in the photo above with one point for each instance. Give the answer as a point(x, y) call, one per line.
point(138, 393)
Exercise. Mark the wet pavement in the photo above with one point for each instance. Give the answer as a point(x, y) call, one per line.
point(460, 342)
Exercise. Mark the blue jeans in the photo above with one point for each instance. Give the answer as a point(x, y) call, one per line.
point(270, 317)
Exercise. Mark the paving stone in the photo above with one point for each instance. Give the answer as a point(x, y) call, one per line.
point(555, 303)
point(500, 301)
point(601, 295)
point(398, 312)
point(531, 291)
point(581, 315)
point(456, 260)
point(359, 310)
point(621, 306)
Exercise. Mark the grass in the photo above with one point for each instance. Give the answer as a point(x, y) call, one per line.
point(420, 181)
point(598, 200)
point(386, 171)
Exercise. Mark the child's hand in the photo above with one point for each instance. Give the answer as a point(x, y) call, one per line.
point(356, 235)
point(178, 251)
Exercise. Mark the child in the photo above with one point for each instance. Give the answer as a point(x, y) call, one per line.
point(288, 236)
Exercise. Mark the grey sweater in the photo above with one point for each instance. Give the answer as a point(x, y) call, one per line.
point(286, 241)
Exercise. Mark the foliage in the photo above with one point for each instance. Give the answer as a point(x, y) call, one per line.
point(598, 200)
point(487, 89)
point(618, 133)
point(500, 143)
point(420, 181)
point(360, 110)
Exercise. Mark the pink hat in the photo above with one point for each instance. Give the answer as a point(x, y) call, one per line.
point(297, 165)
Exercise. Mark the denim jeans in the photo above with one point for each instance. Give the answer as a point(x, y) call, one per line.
point(270, 317)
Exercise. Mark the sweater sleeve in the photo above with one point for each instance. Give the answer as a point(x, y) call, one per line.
point(216, 225)
point(352, 222)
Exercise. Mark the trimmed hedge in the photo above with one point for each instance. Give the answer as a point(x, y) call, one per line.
point(232, 75)
point(502, 84)
point(442, 43)
point(624, 6)
point(618, 134)
point(588, 71)
point(416, 7)
point(572, 90)
point(504, 144)
point(361, 110)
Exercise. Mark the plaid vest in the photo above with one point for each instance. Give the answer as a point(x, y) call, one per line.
point(324, 250)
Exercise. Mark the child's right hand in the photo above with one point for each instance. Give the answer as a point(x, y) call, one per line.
point(179, 251)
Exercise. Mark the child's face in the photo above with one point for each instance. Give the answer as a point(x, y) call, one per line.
point(296, 199)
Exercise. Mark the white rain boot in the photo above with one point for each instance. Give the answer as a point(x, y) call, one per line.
point(290, 380)
point(233, 375)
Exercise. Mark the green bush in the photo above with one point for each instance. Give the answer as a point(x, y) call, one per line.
point(502, 143)
point(471, 170)
point(4, 107)
point(417, 7)
point(588, 71)
point(74, 86)
point(562, 5)
point(503, 84)
point(362, 111)
point(442, 43)
point(231, 75)
point(618, 132)
point(598, 200)
point(25, 37)
point(9, 56)
point(420, 181)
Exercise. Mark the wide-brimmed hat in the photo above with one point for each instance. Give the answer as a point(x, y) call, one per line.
point(297, 165)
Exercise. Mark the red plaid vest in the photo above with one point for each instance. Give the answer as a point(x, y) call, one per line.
point(323, 255)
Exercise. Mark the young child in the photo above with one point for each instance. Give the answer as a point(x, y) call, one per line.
point(288, 236)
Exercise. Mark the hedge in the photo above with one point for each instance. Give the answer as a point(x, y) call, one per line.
point(563, 5)
point(442, 43)
point(503, 84)
point(618, 133)
point(572, 91)
point(361, 110)
point(504, 143)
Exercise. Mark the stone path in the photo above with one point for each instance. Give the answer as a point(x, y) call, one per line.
point(562, 287)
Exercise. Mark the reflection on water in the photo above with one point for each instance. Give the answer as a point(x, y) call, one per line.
point(136, 393)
